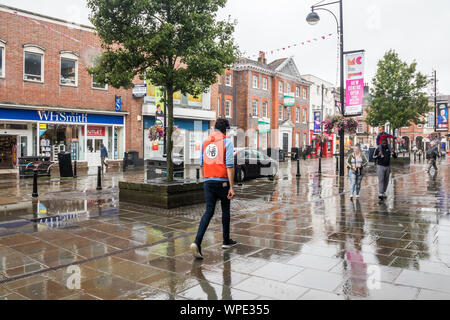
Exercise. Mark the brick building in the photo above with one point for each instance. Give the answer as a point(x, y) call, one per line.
point(252, 97)
point(48, 101)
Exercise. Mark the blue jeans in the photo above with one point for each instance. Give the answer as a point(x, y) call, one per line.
point(355, 182)
point(215, 191)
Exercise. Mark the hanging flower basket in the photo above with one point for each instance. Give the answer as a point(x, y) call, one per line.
point(157, 132)
point(321, 137)
point(337, 123)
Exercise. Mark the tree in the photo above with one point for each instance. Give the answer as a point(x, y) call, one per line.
point(176, 44)
point(397, 95)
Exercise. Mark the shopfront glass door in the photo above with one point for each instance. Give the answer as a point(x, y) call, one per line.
point(94, 146)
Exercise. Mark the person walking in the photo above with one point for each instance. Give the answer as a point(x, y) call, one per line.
point(217, 162)
point(104, 156)
point(432, 155)
point(356, 162)
point(383, 158)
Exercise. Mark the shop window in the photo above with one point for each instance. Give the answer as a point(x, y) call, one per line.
point(2, 58)
point(61, 138)
point(33, 63)
point(69, 68)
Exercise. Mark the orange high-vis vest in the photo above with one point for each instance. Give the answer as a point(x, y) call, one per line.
point(214, 164)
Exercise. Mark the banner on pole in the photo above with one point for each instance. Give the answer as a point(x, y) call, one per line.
point(442, 116)
point(354, 83)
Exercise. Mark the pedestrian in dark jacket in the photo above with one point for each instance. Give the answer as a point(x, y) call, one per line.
point(432, 156)
point(383, 158)
point(104, 156)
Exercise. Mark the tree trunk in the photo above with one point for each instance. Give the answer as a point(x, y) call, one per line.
point(169, 133)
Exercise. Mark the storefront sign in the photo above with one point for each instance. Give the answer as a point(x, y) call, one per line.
point(442, 116)
point(140, 91)
point(289, 100)
point(59, 117)
point(354, 77)
point(65, 117)
point(118, 104)
point(95, 131)
point(264, 125)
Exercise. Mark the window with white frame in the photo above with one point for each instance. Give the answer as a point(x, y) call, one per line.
point(289, 114)
point(280, 112)
point(228, 80)
point(304, 116)
point(97, 85)
point(2, 58)
point(69, 69)
point(255, 82)
point(305, 93)
point(255, 108)
point(265, 84)
point(228, 108)
point(280, 86)
point(297, 92)
point(33, 61)
point(264, 109)
point(288, 88)
point(297, 115)
point(360, 128)
point(430, 121)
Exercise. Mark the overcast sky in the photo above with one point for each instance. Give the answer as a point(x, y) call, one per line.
point(417, 29)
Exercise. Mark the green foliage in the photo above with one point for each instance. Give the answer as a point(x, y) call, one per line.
point(397, 95)
point(176, 44)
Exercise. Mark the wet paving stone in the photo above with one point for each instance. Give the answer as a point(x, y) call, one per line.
point(298, 239)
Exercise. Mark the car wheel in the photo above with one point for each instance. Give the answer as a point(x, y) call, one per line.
point(243, 175)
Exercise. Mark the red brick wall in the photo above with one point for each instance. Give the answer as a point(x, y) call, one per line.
point(17, 31)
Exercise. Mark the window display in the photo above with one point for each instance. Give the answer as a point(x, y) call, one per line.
point(56, 139)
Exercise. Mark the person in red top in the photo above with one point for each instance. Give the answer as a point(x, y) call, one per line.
point(217, 161)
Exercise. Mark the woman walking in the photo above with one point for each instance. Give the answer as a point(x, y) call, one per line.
point(356, 162)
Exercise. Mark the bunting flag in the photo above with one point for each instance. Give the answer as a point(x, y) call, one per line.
point(272, 51)
point(54, 30)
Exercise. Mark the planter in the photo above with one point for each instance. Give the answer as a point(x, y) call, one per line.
point(161, 194)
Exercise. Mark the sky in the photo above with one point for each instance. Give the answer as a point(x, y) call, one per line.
point(417, 30)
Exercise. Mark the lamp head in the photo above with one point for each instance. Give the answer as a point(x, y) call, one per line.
point(313, 18)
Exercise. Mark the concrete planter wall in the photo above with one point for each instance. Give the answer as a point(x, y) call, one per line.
point(160, 194)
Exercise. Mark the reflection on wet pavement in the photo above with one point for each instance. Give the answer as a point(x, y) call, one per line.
point(298, 239)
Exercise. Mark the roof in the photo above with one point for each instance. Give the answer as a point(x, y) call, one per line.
point(275, 64)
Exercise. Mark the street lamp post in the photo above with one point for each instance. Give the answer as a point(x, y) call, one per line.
point(313, 18)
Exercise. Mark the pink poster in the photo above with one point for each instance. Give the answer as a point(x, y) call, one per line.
point(354, 75)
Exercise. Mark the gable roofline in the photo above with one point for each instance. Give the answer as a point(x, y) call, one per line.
point(45, 18)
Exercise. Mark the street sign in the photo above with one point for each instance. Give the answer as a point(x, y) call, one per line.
point(118, 104)
point(140, 91)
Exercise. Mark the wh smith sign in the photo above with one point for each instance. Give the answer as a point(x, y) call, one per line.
point(59, 117)
point(66, 117)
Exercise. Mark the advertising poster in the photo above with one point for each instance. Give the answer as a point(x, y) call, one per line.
point(442, 116)
point(160, 107)
point(317, 122)
point(354, 83)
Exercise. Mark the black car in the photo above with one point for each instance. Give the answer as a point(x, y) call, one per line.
point(252, 163)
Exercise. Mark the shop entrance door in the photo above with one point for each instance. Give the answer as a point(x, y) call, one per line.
point(8, 151)
point(94, 146)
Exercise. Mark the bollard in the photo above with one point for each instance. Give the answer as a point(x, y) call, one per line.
point(99, 178)
point(298, 169)
point(320, 165)
point(35, 184)
point(239, 176)
point(75, 170)
point(198, 174)
point(337, 164)
point(414, 157)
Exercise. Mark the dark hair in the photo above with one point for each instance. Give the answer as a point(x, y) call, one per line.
point(384, 139)
point(222, 125)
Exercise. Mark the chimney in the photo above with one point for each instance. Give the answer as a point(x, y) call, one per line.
point(262, 57)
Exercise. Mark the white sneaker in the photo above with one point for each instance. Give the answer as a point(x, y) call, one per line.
point(196, 251)
point(351, 197)
point(357, 196)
